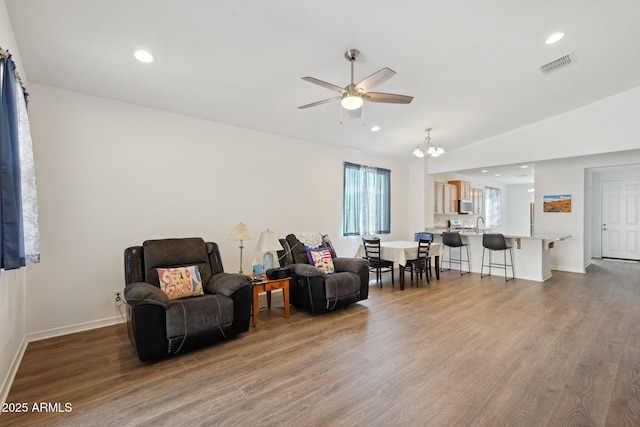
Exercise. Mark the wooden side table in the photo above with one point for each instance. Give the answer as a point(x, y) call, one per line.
point(268, 285)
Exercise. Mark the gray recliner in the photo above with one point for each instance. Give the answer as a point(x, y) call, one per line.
point(158, 326)
point(312, 289)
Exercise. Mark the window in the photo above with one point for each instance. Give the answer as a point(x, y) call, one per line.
point(492, 207)
point(366, 206)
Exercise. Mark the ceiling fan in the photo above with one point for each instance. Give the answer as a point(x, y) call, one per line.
point(353, 95)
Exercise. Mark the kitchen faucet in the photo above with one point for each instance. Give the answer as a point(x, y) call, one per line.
point(478, 222)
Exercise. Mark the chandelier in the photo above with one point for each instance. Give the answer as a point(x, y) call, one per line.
point(429, 148)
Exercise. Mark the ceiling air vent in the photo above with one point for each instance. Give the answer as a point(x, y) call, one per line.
point(557, 64)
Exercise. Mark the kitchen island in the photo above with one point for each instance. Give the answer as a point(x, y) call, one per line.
point(531, 254)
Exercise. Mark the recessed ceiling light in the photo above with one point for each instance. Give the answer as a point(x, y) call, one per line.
point(555, 37)
point(484, 170)
point(524, 166)
point(375, 129)
point(498, 174)
point(143, 56)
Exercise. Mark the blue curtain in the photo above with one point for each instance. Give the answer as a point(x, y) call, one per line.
point(17, 177)
point(366, 200)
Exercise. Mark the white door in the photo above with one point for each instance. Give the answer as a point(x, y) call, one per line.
point(620, 219)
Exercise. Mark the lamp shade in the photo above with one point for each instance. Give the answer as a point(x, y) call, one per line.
point(268, 242)
point(240, 232)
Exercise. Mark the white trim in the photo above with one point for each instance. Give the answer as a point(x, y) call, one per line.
point(50, 333)
point(568, 269)
point(80, 327)
point(13, 370)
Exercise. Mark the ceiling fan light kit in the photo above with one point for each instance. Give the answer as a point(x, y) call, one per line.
point(351, 102)
point(354, 95)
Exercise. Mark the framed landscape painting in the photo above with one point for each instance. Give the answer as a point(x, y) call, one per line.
point(556, 203)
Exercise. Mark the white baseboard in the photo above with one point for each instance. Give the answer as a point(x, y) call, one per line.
point(80, 327)
point(13, 370)
point(568, 269)
point(49, 333)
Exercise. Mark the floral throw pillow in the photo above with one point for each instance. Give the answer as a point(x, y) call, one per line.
point(180, 282)
point(321, 258)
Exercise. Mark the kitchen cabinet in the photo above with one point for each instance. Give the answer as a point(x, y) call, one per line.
point(463, 189)
point(446, 198)
point(450, 199)
point(439, 194)
point(477, 197)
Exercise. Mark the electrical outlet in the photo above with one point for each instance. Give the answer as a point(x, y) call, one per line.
point(117, 297)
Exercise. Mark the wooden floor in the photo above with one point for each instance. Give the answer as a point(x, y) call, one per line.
point(463, 351)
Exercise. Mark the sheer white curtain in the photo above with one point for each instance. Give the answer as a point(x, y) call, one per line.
point(366, 200)
point(28, 184)
point(492, 207)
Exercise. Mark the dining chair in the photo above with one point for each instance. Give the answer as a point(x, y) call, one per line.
point(496, 242)
point(452, 239)
point(426, 236)
point(373, 252)
point(422, 264)
point(422, 235)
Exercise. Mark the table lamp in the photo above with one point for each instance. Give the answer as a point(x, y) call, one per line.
point(241, 232)
point(268, 243)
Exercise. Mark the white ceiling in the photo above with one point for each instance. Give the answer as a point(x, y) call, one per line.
point(471, 66)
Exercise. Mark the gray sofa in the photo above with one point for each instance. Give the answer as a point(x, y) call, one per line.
point(312, 289)
point(158, 326)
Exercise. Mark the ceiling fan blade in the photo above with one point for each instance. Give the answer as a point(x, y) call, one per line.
point(390, 98)
point(375, 79)
point(324, 101)
point(355, 114)
point(324, 84)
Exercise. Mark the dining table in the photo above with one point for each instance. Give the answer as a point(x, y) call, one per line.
point(401, 251)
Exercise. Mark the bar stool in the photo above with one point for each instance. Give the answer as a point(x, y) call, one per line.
point(453, 240)
point(496, 242)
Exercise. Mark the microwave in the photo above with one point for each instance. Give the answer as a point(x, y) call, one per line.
point(465, 206)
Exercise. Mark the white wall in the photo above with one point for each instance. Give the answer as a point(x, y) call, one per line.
point(517, 209)
point(13, 284)
point(416, 207)
point(605, 126)
point(568, 176)
point(111, 175)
